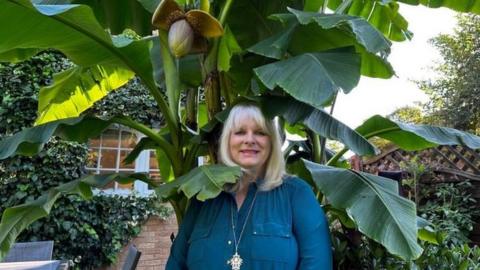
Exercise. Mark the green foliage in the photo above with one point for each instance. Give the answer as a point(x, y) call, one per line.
point(282, 30)
point(455, 92)
point(132, 100)
point(91, 233)
point(19, 85)
point(451, 208)
point(409, 114)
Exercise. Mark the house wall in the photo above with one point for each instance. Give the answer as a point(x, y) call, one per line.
point(154, 243)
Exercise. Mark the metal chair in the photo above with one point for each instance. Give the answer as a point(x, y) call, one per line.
point(30, 251)
point(133, 256)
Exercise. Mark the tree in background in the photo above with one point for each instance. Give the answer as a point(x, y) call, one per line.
point(455, 91)
point(412, 114)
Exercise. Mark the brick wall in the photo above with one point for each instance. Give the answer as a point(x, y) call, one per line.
point(154, 243)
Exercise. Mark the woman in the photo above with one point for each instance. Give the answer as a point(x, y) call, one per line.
point(267, 221)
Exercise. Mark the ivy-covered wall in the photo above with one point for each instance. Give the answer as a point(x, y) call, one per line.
point(90, 233)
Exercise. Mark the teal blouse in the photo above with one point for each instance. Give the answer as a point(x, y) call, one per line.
point(286, 230)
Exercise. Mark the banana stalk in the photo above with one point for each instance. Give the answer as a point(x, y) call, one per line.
point(212, 94)
point(191, 108)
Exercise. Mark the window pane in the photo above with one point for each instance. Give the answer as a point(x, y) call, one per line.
point(128, 139)
point(155, 176)
point(110, 138)
point(153, 160)
point(123, 155)
point(108, 159)
point(94, 142)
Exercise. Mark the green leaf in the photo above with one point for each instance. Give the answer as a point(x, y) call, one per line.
point(249, 21)
point(313, 78)
point(117, 15)
point(227, 48)
point(275, 46)
point(189, 67)
point(16, 219)
point(164, 165)
point(383, 15)
point(313, 5)
point(375, 206)
point(31, 140)
point(73, 30)
point(317, 120)
point(472, 6)
point(205, 182)
point(17, 55)
point(145, 143)
point(426, 231)
point(77, 89)
point(356, 27)
point(416, 137)
point(321, 32)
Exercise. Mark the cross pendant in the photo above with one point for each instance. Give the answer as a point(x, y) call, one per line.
point(236, 261)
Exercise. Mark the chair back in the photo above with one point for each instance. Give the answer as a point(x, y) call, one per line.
point(133, 256)
point(30, 251)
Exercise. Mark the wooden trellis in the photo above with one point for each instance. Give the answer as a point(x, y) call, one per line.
point(446, 164)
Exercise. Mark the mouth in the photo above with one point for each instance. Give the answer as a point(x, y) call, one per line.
point(249, 152)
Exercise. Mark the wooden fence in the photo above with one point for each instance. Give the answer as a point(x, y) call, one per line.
point(446, 164)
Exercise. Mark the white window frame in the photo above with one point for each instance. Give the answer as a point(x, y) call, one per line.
point(142, 165)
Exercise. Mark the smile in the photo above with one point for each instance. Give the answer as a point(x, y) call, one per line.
point(249, 152)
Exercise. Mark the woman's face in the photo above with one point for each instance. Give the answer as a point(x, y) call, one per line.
point(249, 145)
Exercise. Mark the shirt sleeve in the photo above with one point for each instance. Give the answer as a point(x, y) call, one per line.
point(178, 252)
point(310, 227)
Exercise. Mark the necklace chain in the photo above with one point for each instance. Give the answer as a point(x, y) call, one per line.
point(237, 243)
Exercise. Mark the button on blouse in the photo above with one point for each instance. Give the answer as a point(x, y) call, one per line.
point(286, 230)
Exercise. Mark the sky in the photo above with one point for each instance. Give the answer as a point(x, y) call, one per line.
point(410, 60)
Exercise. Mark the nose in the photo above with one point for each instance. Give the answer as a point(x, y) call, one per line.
point(250, 138)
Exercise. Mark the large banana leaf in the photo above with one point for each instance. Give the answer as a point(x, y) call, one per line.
point(315, 32)
point(313, 78)
point(17, 218)
point(205, 182)
point(31, 140)
point(385, 15)
point(472, 6)
point(73, 30)
point(416, 137)
point(374, 204)
point(117, 15)
point(248, 19)
point(317, 120)
point(77, 89)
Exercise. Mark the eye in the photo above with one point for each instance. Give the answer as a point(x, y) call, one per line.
point(261, 133)
point(239, 132)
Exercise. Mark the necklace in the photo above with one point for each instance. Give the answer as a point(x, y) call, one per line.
point(236, 261)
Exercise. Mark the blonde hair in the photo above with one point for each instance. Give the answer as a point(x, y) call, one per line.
point(275, 165)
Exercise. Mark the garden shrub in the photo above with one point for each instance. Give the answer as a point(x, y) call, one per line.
point(448, 206)
point(91, 233)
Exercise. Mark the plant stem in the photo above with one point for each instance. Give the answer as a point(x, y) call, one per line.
point(315, 147)
point(323, 141)
point(343, 6)
point(172, 82)
point(224, 12)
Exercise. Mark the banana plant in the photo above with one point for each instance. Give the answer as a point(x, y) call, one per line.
point(197, 59)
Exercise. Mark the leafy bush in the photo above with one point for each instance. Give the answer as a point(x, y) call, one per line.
point(452, 210)
point(91, 233)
